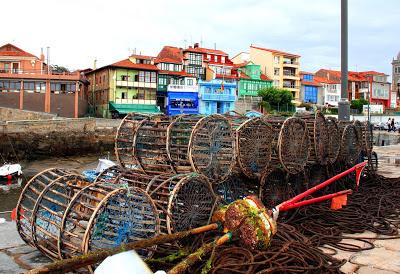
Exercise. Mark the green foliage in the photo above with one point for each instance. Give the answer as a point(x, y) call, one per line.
point(275, 96)
point(358, 104)
point(59, 69)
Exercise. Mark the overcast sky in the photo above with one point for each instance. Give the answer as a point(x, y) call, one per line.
point(77, 32)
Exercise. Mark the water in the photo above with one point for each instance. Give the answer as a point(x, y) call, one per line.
point(9, 199)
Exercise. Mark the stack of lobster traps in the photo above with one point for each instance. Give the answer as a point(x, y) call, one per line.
point(173, 172)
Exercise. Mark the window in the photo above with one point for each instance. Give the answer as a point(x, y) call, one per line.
point(215, 58)
point(276, 59)
point(397, 69)
point(153, 77)
point(124, 95)
point(276, 71)
point(189, 82)
point(308, 77)
point(195, 58)
point(310, 94)
point(124, 77)
point(276, 83)
point(141, 76)
point(183, 103)
point(208, 56)
point(223, 59)
point(177, 67)
point(29, 86)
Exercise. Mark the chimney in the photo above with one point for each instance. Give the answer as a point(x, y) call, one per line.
point(41, 55)
point(196, 45)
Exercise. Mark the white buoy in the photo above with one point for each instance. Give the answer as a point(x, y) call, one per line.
point(128, 262)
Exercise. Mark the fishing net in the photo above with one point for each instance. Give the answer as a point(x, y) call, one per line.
point(124, 139)
point(334, 139)
point(350, 147)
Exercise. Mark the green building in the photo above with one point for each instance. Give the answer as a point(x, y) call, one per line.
point(126, 86)
point(251, 79)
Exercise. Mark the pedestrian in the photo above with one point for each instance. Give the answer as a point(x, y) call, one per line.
point(392, 125)
point(388, 124)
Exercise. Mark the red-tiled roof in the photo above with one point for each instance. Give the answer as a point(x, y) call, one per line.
point(177, 73)
point(352, 76)
point(206, 51)
point(128, 64)
point(325, 80)
point(264, 77)
point(146, 57)
point(311, 83)
point(240, 65)
point(11, 50)
point(305, 72)
point(372, 72)
point(219, 76)
point(170, 54)
point(276, 51)
point(244, 76)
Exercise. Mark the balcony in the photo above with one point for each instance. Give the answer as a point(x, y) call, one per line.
point(291, 86)
point(182, 88)
point(289, 63)
point(38, 74)
point(135, 101)
point(133, 84)
point(217, 97)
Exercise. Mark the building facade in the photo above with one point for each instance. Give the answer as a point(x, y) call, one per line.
point(126, 86)
point(396, 80)
point(176, 90)
point(282, 68)
point(378, 88)
point(330, 91)
point(216, 96)
point(27, 83)
point(311, 90)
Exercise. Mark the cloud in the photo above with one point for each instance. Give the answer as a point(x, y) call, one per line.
point(80, 31)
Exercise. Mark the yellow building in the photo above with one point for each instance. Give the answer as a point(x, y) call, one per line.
point(282, 67)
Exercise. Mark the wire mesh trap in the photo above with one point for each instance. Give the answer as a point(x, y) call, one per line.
point(333, 140)
point(149, 145)
point(124, 139)
point(183, 201)
point(319, 137)
point(350, 147)
point(26, 204)
point(212, 147)
point(291, 144)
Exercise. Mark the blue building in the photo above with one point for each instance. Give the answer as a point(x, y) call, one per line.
point(182, 99)
point(310, 89)
point(216, 96)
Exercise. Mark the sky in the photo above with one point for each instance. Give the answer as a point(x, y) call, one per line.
point(78, 32)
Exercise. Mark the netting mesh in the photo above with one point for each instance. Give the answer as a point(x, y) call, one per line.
point(350, 148)
point(212, 147)
point(124, 139)
point(27, 201)
point(334, 139)
point(149, 145)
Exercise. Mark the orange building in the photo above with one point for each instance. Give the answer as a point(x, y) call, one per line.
point(27, 83)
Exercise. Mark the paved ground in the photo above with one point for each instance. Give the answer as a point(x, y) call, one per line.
point(17, 257)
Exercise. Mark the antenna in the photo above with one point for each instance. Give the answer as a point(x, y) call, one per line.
point(215, 45)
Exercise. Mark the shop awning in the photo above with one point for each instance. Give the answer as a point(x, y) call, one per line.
point(127, 108)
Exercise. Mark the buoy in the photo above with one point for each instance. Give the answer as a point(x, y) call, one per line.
point(9, 179)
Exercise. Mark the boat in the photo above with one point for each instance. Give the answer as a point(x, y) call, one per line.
point(9, 172)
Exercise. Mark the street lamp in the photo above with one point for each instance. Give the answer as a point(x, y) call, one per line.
point(344, 106)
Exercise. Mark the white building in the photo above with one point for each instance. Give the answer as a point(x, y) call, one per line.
point(330, 91)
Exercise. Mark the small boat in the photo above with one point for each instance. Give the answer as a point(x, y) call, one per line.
point(9, 172)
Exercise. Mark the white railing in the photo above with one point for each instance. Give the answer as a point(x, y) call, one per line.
point(182, 88)
point(122, 83)
point(135, 101)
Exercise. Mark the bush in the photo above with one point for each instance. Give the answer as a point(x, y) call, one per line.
point(358, 104)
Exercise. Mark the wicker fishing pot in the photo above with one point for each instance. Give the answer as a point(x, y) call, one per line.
point(290, 148)
point(183, 201)
point(28, 198)
point(149, 145)
point(368, 137)
point(124, 139)
point(334, 139)
point(104, 216)
point(319, 137)
point(254, 138)
point(350, 145)
point(209, 149)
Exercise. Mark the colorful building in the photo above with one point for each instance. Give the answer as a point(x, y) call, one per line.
point(216, 96)
point(28, 83)
point(176, 90)
point(126, 86)
point(311, 90)
point(330, 90)
point(282, 68)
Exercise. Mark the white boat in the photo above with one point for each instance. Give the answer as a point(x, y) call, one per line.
point(15, 170)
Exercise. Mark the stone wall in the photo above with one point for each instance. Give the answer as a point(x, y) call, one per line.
point(12, 114)
point(245, 104)
point(29, 140)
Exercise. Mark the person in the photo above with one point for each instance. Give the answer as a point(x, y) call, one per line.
point(388, 124)
point(392, 125)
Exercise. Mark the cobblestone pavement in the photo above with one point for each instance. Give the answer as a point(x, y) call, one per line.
point(17, 257)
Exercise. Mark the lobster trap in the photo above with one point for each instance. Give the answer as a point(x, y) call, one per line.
point(333, 139)
point(319, 137)
point(291, 144)
point(350, 145)
point(124, 139)
point(149, 145)
point(183, 201)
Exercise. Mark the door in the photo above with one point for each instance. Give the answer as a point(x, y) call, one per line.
point(220, 107)
point(15, 67)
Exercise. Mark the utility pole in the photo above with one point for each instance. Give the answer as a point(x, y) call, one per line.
point(344, 105)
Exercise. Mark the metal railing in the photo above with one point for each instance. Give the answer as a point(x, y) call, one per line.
point(37, 71)
point(288, 62)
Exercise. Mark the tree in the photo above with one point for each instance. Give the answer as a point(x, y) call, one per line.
point(358, 104)
point(273, 96)
point(59, 69)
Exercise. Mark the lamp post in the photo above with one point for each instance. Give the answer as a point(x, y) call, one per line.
point(344, 106)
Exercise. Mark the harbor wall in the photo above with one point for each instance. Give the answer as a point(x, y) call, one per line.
point(12, 114)
point(38, 139)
